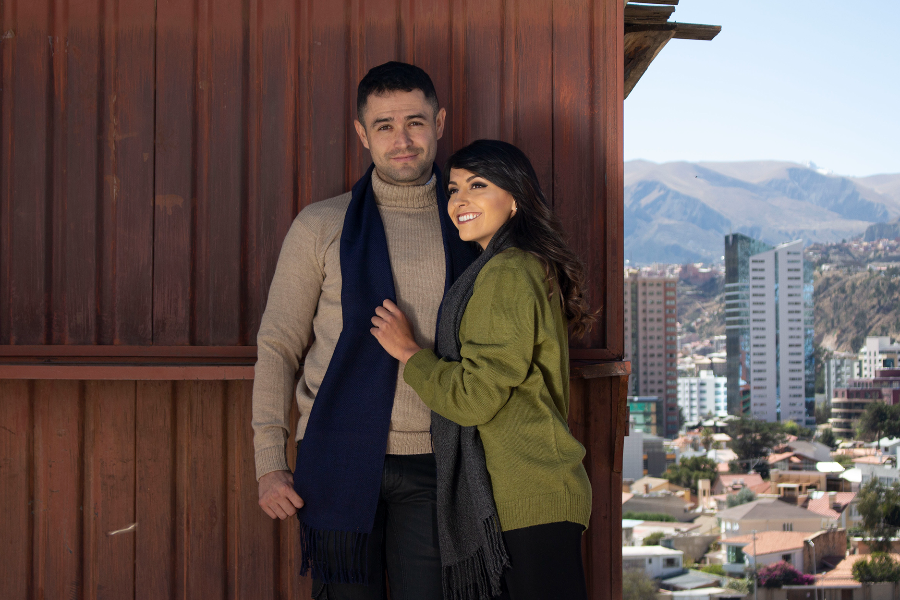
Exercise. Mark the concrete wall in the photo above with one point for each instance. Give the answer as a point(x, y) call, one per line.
point(827, 543)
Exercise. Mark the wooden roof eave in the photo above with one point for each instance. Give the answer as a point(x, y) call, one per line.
point(644, 41)
point(648, 30)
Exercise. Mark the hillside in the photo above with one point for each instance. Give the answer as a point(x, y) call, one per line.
point(680, 212)
point(851, 305)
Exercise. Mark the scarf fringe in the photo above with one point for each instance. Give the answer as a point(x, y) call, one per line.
point(478, 576)
point(347, 549)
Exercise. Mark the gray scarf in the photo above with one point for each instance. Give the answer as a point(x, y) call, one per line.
point(473, 555)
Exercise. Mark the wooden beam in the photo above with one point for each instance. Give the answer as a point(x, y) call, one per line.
point(637, 13)
point(693, 31)
point(669, 2)
point(640, 49)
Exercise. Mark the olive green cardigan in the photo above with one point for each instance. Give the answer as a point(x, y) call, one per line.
point(513, 383)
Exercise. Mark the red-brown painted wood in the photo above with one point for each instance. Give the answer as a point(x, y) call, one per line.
point(16, 516)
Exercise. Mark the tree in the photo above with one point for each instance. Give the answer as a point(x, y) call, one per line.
point(691, 470)
point(878, 568)
point(706, 438)
point(827, 438)
point(742, 497)
point(823, 411)
point(744, 586)
point(637, 585)
point(654, 538)
point(879, 420)
point(781, 574)
point(648, 516)
point(752, 441)
point(879, 509)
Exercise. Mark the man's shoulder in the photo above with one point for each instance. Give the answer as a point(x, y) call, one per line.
point(325, 215)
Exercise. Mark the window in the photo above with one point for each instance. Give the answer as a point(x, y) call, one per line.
point(787, 526)
point(786, 557)
point(671, 563)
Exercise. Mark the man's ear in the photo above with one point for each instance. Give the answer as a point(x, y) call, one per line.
point(439, 122)
point(361, 132)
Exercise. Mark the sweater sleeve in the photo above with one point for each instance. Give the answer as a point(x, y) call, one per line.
point(497, 337)
point(284, 334)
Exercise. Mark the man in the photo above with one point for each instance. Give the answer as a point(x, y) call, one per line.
point(364, 483)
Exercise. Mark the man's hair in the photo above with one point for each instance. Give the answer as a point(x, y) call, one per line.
point(390, 77)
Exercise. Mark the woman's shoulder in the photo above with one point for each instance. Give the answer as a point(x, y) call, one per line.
point(514, 263)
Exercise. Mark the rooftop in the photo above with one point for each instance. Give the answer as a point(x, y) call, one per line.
point(770, 542)
point(766, 508)
point(638, 551)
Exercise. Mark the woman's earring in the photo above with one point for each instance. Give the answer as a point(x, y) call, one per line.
point(515, 207)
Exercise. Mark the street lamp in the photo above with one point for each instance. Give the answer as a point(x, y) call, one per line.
point(815, 585)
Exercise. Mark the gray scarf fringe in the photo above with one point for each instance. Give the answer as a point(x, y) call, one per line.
point(473, 555)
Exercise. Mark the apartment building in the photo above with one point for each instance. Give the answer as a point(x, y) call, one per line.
point(840, 368)
point(651, 344)
point(849, 402)
point(878, 353)
point(769, 329)
point(702, 395)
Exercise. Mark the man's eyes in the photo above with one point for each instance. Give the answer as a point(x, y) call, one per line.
point(412, 123)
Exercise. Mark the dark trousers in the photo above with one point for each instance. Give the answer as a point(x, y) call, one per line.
point(546, 563)
point(404, 540)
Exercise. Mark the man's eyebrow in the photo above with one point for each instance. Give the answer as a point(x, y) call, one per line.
point(382, 120)
point(415, 116)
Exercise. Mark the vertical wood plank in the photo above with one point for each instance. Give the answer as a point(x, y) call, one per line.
point(530, 101)
point(154, 490)
point(79, 255)
point(7, 49)
point(176, 168)
point(484, 70)
point(204, 506)
point(58, 431)
point(131, 137)
point(110, 525)
point(225, 191)
point(57, 172)
point(16, 520)
point(251, 551)
point(30, 182)
point(288, 534)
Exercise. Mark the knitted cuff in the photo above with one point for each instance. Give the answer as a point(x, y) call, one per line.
point(270, 459)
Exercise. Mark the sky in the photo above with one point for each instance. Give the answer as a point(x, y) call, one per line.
point(793, 80)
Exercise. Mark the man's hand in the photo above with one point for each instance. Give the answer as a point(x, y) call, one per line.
point(393, 332)
point(277, 496)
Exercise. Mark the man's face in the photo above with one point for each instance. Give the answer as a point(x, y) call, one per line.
point(401, 132)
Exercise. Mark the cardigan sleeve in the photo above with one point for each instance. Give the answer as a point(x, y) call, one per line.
point(497, 336)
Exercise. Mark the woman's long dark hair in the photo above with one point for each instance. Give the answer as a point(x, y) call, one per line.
point(534, 227)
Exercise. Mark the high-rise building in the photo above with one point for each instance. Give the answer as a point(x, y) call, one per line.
point(651, 344)
point(701, 396)
point(769, 329)
point(646, 413)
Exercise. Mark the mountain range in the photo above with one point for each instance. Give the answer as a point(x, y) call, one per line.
point(681, 211)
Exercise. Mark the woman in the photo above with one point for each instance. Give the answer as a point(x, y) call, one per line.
point(510, 376)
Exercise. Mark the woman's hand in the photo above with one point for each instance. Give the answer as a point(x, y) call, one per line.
point(393, 332)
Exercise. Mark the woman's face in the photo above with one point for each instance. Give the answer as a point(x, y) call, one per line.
point(478, 207)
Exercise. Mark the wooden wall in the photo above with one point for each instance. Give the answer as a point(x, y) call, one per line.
point(146, 490)
point(155, 152)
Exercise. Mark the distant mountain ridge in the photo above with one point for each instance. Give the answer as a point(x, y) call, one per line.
point(681, 211)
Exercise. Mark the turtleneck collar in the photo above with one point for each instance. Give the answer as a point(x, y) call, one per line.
point(404, 196)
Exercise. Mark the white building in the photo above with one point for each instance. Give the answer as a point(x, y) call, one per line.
point(656, 561)
point(878, 353)
point(778, 335)
point(839, 369)
point(703, 395)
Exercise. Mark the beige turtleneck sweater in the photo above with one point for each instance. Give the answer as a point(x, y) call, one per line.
point(304, 306)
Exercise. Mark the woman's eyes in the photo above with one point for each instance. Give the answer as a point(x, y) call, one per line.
point(475, 184)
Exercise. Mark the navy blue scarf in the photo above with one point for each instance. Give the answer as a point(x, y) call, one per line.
point(340, 461)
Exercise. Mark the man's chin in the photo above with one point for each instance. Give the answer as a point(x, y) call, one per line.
point(405, 175)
